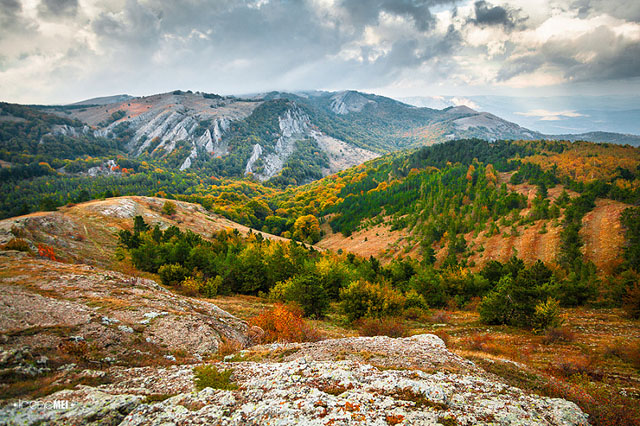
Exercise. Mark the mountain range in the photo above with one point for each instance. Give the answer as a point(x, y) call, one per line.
point(552, 115)
point(268, 135)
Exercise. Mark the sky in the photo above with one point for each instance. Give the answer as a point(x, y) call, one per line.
point(61, 51)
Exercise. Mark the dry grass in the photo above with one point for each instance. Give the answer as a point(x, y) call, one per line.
point(576, 364)
point(241, 306)
point(440, 317)
point(625, 351)
point(32, 388)
point(229, 347)
point(558, 335)
point(16, 244)
point(593, 358)
point(392, 327)
point(378, 240)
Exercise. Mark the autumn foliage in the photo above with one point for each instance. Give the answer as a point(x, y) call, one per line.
point(284, 324)
point(46, 251)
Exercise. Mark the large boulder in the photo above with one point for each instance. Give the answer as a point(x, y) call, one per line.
point(45, 305)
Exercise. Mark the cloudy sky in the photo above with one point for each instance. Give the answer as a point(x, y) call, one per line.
point(57, 51)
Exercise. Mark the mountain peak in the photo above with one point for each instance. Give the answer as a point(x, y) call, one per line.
point(348, 101)
point(105, 100)
point(460, 109)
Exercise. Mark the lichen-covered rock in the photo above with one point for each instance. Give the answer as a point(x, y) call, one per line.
point(46, 305)
point(331, 390)
point(86, 406)
point(425, 351)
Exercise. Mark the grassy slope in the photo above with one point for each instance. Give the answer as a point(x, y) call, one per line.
point(87, 232)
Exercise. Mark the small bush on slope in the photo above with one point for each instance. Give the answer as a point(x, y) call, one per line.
point(208, 376)
point(365, 299)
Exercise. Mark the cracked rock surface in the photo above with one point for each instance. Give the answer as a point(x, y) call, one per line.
point(413, 381)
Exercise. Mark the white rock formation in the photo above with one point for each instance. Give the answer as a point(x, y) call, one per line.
point(257, 152)
point(294, 125)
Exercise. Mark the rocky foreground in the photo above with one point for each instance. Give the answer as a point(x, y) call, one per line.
point(46, 304)
point(365, 380)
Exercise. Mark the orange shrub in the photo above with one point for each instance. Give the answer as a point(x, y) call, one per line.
point(46, 251)
point(284, 324)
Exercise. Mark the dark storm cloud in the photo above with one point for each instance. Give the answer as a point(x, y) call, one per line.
point(11, 20)
point(10, 7)
point(487, 14)
point(365, 13)
point(135, 26)
point(9, 12)
point(600, 55)
point(234, 27)
point(57, 8)
point(276, 38)
point(404, 55)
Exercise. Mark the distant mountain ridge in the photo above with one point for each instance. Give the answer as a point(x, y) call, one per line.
point(104, 100)
point(287, 138)
point(610, 137)
point(551, 115)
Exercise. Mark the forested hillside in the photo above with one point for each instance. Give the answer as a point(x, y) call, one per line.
point(189, 144)
point(457, 217)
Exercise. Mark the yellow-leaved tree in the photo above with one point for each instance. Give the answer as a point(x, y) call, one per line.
point(307, 228)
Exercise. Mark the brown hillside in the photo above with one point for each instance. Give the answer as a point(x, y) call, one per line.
point(602, 234)
point(530, 245)
point(87, 232)
point(379, 241)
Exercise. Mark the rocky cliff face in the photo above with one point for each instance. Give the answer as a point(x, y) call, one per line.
point(367, 380)
point(158, 123)
point(294, 125)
